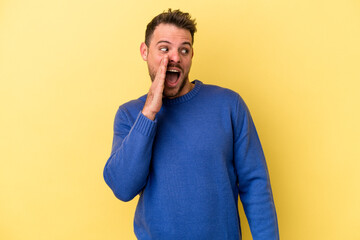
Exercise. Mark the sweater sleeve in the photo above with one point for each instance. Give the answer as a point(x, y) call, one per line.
point(253, 177)
point(127, 169)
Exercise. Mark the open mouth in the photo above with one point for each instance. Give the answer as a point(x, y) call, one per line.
point(172, 77)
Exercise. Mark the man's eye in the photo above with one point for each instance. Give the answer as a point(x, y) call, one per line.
point(184, 51)
point(164, 49)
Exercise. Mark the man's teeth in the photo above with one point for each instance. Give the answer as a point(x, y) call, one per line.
point(172, 70)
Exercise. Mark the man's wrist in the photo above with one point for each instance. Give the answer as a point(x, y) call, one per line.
point(150, 115)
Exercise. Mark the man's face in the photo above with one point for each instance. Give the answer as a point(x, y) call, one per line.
point(176, 43)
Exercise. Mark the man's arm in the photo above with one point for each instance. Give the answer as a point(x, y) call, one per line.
point(253, 178)
point(127, 168)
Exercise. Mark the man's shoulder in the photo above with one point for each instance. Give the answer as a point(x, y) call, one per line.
point(215, 91)
point(134, 103)
point(218, 96)
point(132, 107)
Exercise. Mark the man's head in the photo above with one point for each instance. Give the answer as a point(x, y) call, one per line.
point(170, 34)
point(177, 18)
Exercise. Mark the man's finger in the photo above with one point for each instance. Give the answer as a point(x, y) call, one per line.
point(161, 73)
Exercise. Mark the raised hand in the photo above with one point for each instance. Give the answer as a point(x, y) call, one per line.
point(154, 98)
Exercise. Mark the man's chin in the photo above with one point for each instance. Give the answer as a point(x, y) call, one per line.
point(171, 93)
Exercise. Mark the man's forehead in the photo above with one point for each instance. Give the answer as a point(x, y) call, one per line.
point(169, 33)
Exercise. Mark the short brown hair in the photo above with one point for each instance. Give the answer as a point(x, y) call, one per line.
point(176, 17)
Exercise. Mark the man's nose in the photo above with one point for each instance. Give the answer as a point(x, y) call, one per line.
point(174, 57)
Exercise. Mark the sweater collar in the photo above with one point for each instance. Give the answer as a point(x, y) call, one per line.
point(186, 97)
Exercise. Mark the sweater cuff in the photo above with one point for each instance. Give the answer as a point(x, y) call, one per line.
point(144, 125)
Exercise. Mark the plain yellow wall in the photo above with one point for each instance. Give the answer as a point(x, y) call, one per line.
point(66, 66)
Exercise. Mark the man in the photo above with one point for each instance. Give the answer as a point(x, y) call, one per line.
point(189, 149)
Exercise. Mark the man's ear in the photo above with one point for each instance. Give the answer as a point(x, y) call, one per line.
point(192, 53)
point(143, 51)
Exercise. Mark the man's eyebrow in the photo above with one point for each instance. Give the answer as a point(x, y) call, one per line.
point(164, 41)
point(187, 43)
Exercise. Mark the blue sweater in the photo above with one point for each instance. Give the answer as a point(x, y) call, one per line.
point(189, 167)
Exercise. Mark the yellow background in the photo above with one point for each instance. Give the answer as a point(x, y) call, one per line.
point(66, 66)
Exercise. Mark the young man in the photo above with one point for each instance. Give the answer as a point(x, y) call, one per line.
point(189, 149)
